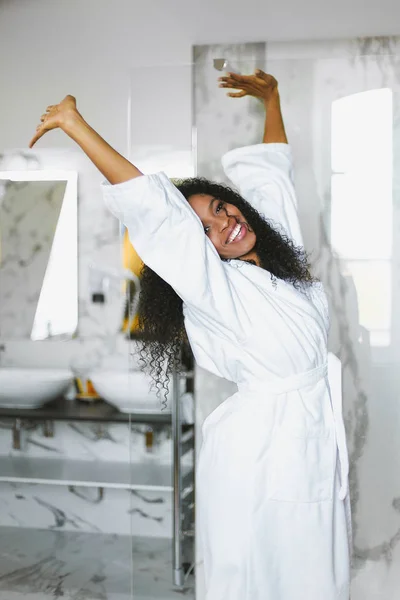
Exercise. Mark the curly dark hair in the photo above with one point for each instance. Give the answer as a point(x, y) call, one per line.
point(161, 326)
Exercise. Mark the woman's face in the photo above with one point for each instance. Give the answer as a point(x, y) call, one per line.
point(225, 225)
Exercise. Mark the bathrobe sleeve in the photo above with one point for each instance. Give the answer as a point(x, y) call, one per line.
point(169, 238)
point(263, 174)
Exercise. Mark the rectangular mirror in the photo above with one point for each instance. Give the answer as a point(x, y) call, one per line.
point(38, 254)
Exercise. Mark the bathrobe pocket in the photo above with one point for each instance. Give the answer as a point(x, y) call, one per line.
point(301, 466)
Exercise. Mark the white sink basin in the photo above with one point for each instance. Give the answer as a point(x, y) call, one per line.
point(128, 391)
point(31, 388)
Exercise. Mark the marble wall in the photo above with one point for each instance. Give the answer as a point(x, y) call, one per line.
point(348, 184)
point(75, 508)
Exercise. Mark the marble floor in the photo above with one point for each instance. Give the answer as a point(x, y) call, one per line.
point(43, 565)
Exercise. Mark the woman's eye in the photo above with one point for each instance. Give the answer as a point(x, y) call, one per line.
point(220, 205)
point(206, 230)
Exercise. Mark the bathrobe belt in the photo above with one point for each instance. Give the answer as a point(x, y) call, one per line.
point(297, 383)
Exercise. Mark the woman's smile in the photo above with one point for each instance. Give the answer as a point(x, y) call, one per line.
point(237, 234)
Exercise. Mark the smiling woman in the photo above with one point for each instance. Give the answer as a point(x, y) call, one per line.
point(237, 284)
point(220, 210)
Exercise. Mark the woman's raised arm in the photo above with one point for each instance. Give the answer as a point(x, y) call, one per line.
point(167, 234)
point(65, 116)
point(264, 87)
point(263, 173)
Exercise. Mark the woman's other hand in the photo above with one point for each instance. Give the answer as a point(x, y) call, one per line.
point(56, 115)
point(260, 85)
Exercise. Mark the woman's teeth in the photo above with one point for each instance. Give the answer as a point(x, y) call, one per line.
point(234, 233)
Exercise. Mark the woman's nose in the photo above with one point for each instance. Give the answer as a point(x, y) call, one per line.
point(224, 223)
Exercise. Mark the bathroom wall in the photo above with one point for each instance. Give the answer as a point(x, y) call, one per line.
point(351, 226)
point(98, 345)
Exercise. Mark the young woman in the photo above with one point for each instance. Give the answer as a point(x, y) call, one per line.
point(229, 267)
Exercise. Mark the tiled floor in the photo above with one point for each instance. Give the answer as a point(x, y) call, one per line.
point(43, 565)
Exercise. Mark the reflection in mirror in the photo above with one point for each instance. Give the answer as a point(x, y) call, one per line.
point(38, 254)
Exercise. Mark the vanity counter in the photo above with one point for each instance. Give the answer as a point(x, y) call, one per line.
point(76, 410)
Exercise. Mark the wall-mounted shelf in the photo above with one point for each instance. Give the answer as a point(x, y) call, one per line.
point(100, 474)
point(76, 410)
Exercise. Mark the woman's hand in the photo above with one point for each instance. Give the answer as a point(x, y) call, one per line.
point(56, 115)
point(260, 85)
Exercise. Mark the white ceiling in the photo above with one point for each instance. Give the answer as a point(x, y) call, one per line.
point(257, 20)
point(216, 21)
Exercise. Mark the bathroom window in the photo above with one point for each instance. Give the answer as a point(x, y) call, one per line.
point(361, 211)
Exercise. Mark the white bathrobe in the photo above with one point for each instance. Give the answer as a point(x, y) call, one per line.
point(272, 479)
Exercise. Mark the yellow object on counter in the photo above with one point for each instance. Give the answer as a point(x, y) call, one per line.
point(85, 389)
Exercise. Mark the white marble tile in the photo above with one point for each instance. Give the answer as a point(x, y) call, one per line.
point(111, 442)
point(58, 508)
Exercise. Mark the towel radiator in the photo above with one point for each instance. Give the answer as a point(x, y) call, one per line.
point(183, 489)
